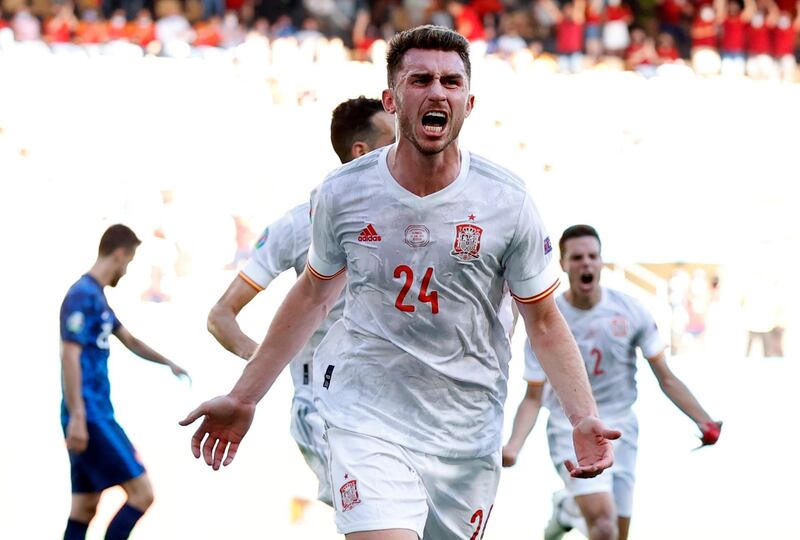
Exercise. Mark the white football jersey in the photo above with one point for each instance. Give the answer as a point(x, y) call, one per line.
point(283, 246)
point(420, 357)
point(607, 336)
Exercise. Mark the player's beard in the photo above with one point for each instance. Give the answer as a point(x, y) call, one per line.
point(115, 279)
point(407, 131)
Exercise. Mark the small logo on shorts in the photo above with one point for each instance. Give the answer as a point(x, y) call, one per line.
point(417, 236)
point(349, 493)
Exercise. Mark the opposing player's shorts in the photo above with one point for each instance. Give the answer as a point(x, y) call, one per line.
point(618, 480)
point(109, 459)
point(381, 485)
point(308, 430)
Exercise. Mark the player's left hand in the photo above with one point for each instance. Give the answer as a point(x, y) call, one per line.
point(710, 432)
point(593, 449)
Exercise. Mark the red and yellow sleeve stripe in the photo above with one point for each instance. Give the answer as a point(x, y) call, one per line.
point(250, 282)
point(323, 276)
point(541, 296)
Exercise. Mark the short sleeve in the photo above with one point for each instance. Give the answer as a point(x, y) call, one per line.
point(648, 337)
point(274, 253)
point(533, 369)
point(326, 257)
point(77, 311)
point(530, 270)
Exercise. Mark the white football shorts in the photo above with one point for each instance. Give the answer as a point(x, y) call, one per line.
point(308, 430)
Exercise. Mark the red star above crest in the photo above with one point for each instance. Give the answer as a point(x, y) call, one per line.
point(472, 217)
point(346, 476)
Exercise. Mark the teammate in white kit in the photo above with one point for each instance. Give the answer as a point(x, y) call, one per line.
point(411, 381)
point(608, 326)
point(357, 127)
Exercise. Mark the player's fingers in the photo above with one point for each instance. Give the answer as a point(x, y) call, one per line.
point(219, 452)
point(585, 471)
point(612, 434)
point(231, 453)
point(197, 439)
point(194, 415)
point(569, 465)
point(208, 449)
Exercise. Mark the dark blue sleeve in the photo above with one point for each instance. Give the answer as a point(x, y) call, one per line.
point(77, 312)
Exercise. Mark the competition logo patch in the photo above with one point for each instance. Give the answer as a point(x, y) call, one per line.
point(467, 244)
point(417, 236)
point(548, 247)
point(619, 327)
point(75, 322)
point(263, 238)
point(349, 493)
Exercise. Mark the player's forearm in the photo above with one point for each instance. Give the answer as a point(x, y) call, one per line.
point(223, 326)
point(683, 398)
point(561, 360)
point(72, 379)
point(524, 420)
point(300, 314)
point(143, 350)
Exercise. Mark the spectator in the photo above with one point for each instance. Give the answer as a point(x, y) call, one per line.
point(91, 30)
point(569, 34)
point(616, 38)
point(61, 26)
point(142, 31)
point(233, 34)
point(465, 20)
point(705, 58)
point(117, 26)
point(213, 8)
point(26, 27)
point(208, 33)
point(734, 22)
point(760, 64)
point(784, 43)
point(489, 13)
point(641, 55)
point(510, 39)
point(671, 15)
point(173, 31)
point(666, 49)
point(593, 30)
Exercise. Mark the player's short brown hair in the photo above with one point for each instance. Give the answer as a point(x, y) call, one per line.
point(117, 236)
point(577, 231)
point(352, 122)
point(428, 37)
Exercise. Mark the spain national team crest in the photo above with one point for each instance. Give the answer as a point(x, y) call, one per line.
point(349, 493)
point(467, 244)
point(619, 327)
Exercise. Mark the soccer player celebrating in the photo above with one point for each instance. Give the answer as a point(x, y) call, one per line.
point(100, 453)
point(609, 326)
point(411, 381)
point(357, 127)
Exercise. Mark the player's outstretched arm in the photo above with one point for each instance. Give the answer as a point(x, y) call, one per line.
point(77, 432)
point(222, 322)
point(683, 398)
point(524, 420)
point(226, 419)
point(143, 350)
point(559, 356)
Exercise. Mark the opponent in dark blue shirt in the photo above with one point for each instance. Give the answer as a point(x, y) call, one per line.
point(101, 456)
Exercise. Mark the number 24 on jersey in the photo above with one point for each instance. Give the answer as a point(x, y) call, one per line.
point(426, 297)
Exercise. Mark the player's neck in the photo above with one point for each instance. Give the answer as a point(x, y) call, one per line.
point(423, 174)
point(584, 301)
point(102, 271)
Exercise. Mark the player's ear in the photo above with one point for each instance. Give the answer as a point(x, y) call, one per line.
point(359, 148)
point(387, 98)
point(470, 105)
point(563, 262)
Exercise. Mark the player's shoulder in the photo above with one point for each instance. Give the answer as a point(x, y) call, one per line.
point(492, 172)
point(85, 289)
point(343, 176)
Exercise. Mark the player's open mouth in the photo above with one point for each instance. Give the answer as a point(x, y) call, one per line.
point(587, 278)
point(434, 122)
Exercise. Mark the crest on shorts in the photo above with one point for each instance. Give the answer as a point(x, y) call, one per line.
point(467, 244)
point(349, 493)
point(619, 327)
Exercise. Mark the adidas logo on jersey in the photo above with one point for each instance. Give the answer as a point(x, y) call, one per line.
point(369, 234)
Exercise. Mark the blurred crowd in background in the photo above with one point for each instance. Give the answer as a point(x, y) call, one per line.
point(757, 38)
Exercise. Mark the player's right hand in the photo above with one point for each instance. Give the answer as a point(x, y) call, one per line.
point(225, 422)
point(509, 457)
point(77, 435)
point(592, 440)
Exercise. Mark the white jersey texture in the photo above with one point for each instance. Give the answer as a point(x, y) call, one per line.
point(420, 356)
point(284, 246)
point(607, 336)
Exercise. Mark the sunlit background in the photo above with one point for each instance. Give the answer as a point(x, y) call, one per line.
point(688, 180)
